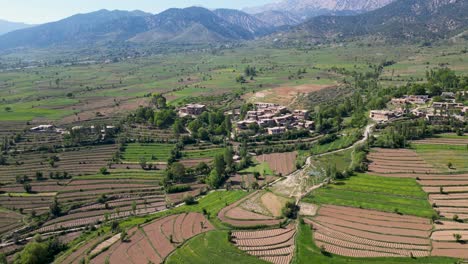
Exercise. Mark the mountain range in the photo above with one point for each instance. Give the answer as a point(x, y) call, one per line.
point(400, 19)
point(7, 26)
point(188, 25)
point(305, 9)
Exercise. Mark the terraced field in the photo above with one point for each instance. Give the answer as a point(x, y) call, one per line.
point(397, 161)
point(197, 154)
point(364, 233)
point(449, 151)
point(9, 220)
point(374, 192)
point(273, 245)
point(155, 241)
point(253, 211)
point(151, 152)
point(74, 161)
point(213, 247)
point(281, 163)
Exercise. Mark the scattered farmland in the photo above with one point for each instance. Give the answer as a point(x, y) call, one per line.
point(155, 241)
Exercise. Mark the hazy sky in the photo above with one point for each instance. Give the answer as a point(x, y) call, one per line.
point(40, 11)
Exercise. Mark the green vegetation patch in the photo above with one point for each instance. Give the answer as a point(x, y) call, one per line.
point(374, 192)
point(262, 168)
point(212, 203)
point(211, 247)
point(202, 153)
point(308, 252)
point(150, 151)
point(441, 156)
point(339, 143)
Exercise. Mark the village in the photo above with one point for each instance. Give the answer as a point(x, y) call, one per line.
point(424, 107)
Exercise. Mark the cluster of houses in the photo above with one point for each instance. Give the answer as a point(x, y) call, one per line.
point(276, 119)
point(433, 112)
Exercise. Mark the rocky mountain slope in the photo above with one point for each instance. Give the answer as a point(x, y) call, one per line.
point(310, 8)
point(402, 19)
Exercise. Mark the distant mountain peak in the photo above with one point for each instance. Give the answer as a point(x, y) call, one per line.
point(310, 8)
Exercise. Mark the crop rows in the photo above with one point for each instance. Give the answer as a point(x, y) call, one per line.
point(275, 245)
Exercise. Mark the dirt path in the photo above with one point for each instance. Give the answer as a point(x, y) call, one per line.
point(296, 184)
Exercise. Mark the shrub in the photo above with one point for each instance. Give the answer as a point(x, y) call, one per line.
point(189, 199)
point(177, 188)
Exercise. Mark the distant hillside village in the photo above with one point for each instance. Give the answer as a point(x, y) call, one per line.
point(264, 118)
point(435, 110)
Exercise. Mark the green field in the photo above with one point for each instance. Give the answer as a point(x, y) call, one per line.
point(262, 168)
point(35, 93)
point(308, 252)
point(441, 155)
point(211, 247)
point(152, 152)
point(342, 160)
point(202, 153)
point(375, 192)
point(340, 143)
point(127, 174)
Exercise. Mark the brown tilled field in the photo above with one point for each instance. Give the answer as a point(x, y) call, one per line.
point(443, 141)
point(275, 245)
point(155, 241)
point(364, 233)
point(281, 163)
point(248, 212)
point(9, 221)
point(397, 161)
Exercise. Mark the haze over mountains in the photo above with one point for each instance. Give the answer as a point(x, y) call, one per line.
point(402, 19)
point(7, 26)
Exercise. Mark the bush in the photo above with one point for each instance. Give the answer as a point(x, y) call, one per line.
point(177, 188)
point(189, 199)
point(290, 210)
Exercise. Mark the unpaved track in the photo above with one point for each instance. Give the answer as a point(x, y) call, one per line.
point(295, 184)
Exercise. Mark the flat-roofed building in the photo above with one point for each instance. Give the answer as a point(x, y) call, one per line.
point(381, 115)
point(276, 130)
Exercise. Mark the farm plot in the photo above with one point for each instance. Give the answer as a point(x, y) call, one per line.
point(38, 203)
point(196, 154)
point(375, 192)
point(9, 221)
point(281, 163)
point(254, 210)
point(151, 152)
point(74, 161)
point(448, 194)
point(394, 161)
point(364, 233)
point(274, 245)
point(138, 132)
point(450, 157)
point(31, 141)
point(212, 247)
point(155, 241)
